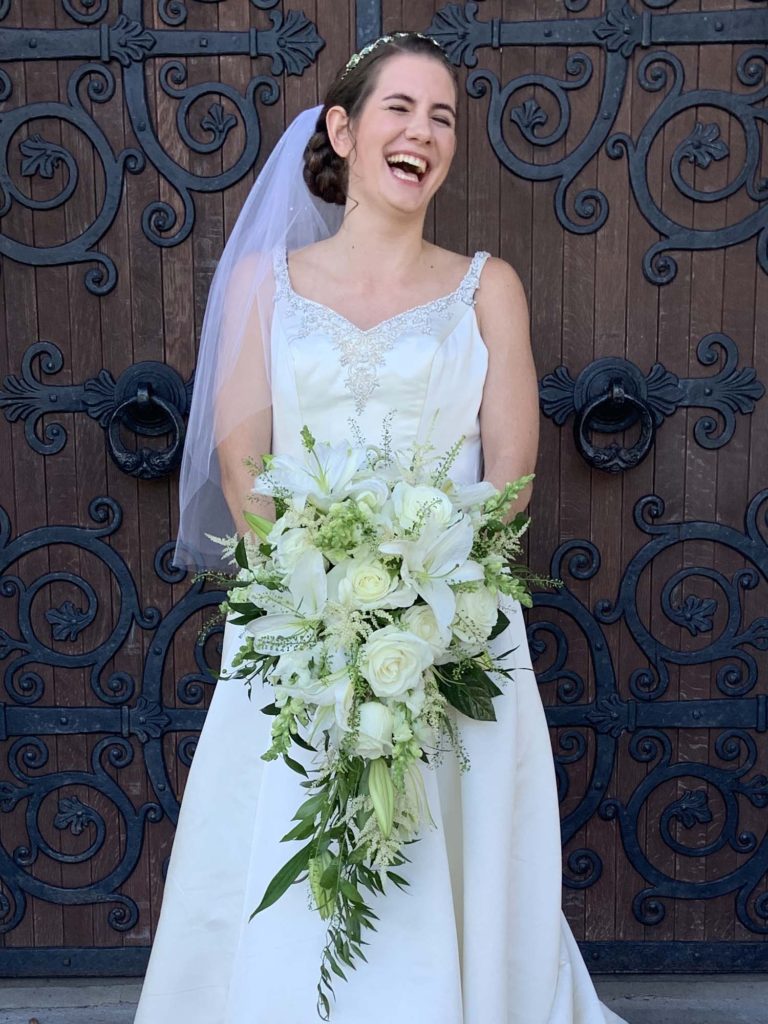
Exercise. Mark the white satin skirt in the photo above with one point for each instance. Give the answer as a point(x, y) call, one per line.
point(478, 937)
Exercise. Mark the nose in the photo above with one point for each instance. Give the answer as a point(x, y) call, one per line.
point(419, 127)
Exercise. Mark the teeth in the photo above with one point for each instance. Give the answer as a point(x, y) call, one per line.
point(406, 158)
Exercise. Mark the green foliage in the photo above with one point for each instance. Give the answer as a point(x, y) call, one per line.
point(469, 690)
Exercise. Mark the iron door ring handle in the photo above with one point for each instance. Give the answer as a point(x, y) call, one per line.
point(146, 463)
point(614, 457)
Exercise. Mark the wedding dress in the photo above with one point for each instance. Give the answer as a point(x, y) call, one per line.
point(479, 936)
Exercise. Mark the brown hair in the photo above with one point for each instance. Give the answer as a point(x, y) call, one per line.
point(325, 172)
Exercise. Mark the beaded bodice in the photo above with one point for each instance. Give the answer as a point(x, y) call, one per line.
point(362, 351)
point(421, 370)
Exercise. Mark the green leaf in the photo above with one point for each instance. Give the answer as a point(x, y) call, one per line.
point(271, 709)
point(344, 955)
point(298, 768)
point(301, 742)
point(351, 892)
point(285, 877)
point(471, 671)
point(240, 556)
point(311, 807)
point(501, 624)
point(358, 856)
point(303, 830)
point(399, 881)
point(245, 607)
point(472, 694)
point(337, 970)
point(243, 620)
point(329, 876)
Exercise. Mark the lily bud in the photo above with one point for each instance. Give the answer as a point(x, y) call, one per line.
point(323, 897)
point(382, 792)
point(416, 792)
point(260, 526)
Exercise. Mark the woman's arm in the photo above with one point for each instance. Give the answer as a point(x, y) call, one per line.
point(251, 439)
point(509, 413)
point(244, 404)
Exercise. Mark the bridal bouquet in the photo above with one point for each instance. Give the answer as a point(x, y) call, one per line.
point(368, 606)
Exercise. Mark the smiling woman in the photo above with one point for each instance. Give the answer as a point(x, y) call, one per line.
point(331, 316)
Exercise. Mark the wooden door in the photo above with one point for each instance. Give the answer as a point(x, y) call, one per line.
point(614, 153)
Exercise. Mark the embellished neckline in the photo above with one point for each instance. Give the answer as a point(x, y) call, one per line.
point(464, 291)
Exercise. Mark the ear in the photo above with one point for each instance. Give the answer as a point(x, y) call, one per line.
point(337, 125)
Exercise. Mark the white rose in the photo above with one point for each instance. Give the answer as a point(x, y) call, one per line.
point(290, 544)
point(393, 660)
point(414, 501)
point(375, 734)
point(367, 583)
point(476, 614)
point(369, 493)
point(420, 619)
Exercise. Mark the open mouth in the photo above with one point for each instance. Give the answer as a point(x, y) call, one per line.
point(408, 168)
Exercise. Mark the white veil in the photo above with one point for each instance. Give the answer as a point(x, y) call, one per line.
point(231, 411)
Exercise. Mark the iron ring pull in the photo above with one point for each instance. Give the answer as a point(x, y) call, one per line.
point(614, 457)
point(146, 463)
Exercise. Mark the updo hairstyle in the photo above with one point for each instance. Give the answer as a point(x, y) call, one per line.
point(325, 172)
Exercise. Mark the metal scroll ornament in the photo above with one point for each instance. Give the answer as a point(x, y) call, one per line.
point(119, 59)
point(149, 399)
point(609, 43)
point(612, 395)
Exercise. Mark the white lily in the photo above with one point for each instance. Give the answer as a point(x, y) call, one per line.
point(334, 697)
point(467, 496)
point(324, 475)
point(435, 560)
point(295, 611)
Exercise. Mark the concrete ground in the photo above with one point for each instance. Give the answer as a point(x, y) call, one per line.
point(657, 999)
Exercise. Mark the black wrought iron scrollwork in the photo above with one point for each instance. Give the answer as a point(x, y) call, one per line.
point(592, 724)
point(619, 31)
point(611, 406)
point(146, 463)
point(149, 398)
point(593, 728)
point(126, 46)
point(129, 715)
point(650, 398)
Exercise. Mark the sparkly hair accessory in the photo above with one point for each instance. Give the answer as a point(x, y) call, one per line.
point(355, 59)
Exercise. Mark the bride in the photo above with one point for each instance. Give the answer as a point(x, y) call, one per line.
point(330, 309)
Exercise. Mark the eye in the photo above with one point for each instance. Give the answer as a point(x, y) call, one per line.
point(443, 120)
point(403, 110)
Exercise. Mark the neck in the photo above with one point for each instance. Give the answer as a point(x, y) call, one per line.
point(378, 244)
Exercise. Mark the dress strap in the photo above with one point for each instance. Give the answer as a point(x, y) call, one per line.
point(468, 287)
point(280, 271)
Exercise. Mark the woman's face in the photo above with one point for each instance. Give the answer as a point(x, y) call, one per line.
point(401, 144)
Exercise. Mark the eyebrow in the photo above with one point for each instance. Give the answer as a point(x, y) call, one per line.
point(410, 99)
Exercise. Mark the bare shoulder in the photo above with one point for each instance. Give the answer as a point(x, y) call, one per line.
point(448, 265)
point(501, 301)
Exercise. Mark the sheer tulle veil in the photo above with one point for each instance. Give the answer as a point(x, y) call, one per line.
point(231, 403)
